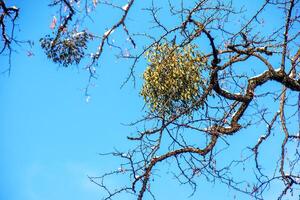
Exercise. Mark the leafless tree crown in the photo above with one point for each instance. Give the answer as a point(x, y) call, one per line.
point(251, 81)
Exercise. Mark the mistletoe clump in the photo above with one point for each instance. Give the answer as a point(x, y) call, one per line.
point(67, 49)
point(173, 78)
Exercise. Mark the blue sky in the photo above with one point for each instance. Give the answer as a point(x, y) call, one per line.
point(50, 136)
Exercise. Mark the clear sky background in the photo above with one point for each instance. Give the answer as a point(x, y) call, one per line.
point(50, 136)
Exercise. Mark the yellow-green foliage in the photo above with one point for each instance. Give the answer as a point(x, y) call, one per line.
point(173, 78)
